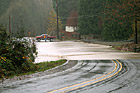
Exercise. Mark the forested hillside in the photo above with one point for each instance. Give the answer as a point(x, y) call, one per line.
point(112, 20)
point(65, 7)
point(4, 5)
point(30, 15)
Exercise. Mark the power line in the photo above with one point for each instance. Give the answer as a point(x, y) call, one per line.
point(84, 16)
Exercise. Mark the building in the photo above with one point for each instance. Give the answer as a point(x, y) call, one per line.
point(71, 27)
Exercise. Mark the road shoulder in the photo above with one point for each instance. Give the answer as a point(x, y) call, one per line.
point(67, 65)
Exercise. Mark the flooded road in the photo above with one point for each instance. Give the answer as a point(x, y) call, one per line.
point(48, 51)
point(93, 70)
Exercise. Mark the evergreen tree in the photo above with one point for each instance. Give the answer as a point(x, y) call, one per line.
point(4, 5)
point(65, 7)
point(90, 12)
point(111, 19)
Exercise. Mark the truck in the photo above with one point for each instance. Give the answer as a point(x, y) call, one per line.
point(45, 37)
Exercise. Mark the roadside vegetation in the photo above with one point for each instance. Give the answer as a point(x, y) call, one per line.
point(32, 13)
point(48, 65)
point(105, 21)
point(130, 47)
point(40, 67)
point(17, 56)
point(113, 20)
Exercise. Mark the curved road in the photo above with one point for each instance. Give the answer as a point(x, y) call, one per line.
point(99, 76)
point(107, 75)
point(93, 71)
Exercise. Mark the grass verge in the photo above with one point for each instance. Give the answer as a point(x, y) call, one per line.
point(49, 65)
point(40, 67)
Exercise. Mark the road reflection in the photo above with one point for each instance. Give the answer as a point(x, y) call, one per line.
point(51, 51)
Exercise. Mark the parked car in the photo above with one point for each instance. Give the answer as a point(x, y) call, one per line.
point(45, 37)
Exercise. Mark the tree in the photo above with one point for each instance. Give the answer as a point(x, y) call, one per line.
point(121, 14)
point(34, 14)
point(4, 5)
point(72, 19)
point(52, 24)
point(112, 19)
point(90, 21)
point(16, 55)
point(65, 7)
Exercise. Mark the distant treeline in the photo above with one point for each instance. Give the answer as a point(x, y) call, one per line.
point(112, 19)
point(32, 15)
point(65, 7)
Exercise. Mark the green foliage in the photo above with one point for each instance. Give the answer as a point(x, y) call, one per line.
point(111, 19)
point(90, 16)
point(48, 65)
point(3, 35)
point(21, 32)
point(16, 55)
point(39, 67)
point(34, 14)
point(116, 32)
point(65, 7)
point(4, 5)
point(118, 21)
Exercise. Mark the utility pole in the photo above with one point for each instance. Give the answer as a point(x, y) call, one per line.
point(136, 32)
point(57, 20)
point(137, 3)
point(10, 26)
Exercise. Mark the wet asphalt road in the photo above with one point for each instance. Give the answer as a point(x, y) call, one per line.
point(95, 67)
point(125, 81)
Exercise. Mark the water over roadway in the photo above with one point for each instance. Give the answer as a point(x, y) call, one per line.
point(79, 51)
point(95, 61)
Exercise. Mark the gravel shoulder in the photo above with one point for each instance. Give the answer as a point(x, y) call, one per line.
point(65, 66)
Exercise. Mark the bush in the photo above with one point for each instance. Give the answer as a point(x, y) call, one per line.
point(16, 55)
